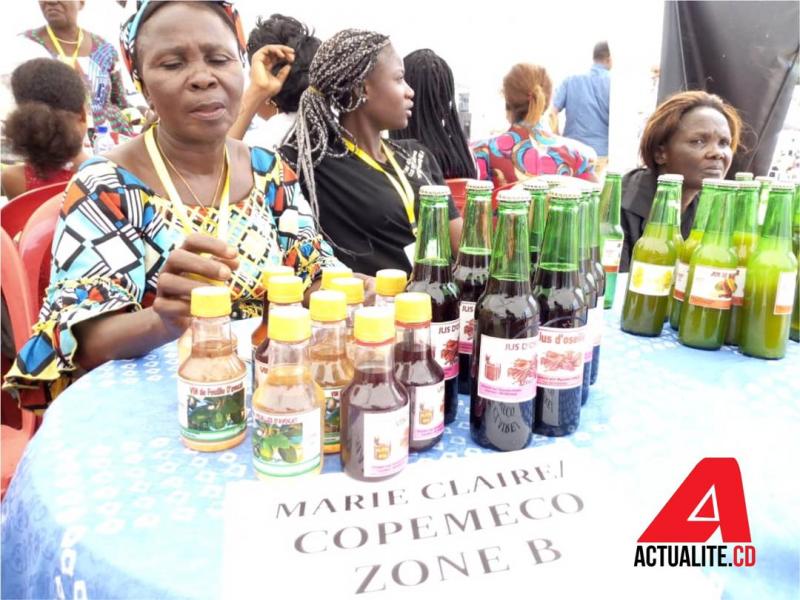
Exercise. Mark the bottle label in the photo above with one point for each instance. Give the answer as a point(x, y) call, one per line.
point(712, 287)
point(507, 369)
point(561, 357)
point(211, 411)
point(596, 323)
point(332, 415)
point(738, 292)
point(286, 444)
point(444, 341)
point(466, 326)
point(784, 295)
point(612, 254)
point(427, 410)
point(650, 279)
point(260, 369)
point(681, 277)
point(385, 442)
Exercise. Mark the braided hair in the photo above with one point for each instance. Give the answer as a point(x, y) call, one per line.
point(434, 121)
point(336, 86)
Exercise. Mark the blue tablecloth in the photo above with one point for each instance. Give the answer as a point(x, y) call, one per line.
point(108, 503)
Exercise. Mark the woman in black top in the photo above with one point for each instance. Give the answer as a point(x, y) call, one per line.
point(693, 134)
point(363, 189)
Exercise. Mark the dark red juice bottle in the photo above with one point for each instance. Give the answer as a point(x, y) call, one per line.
point(588, 284)
point(472, 269)
point(563, 310)
point(503, 361)
point(596, 319)
point(374, 407)
point(433, 275)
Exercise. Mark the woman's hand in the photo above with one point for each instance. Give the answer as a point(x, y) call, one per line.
point(199, 257)
point(262, 67)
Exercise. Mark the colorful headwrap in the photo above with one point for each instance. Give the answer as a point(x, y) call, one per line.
point(130, 32)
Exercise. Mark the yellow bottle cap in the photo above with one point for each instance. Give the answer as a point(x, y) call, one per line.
point(329, 275)
point(328, 306)
point(412, 307)
point(211, 301)
point(390, 282)
point(289, 324)
point(272, 270)
point(353, 288)
point(373, 325)
point(285, 289)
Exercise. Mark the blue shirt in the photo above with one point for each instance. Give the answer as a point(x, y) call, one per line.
point(586, 99)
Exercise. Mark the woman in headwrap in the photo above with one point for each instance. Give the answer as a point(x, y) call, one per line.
point(140, 223)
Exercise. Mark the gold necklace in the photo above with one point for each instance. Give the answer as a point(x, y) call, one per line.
point(75, 41)
point(186, 183)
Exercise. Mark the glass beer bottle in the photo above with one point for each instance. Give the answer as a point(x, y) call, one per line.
point(743, 176)
point(417, 371)
point(596, 320)
point(211, 390)
point(260, 333)
point(563, 309)
point(652, 264)
point(471, 271)
point(288, 406)
point(587, 284)
point(763, 196)
point(537, 213)
point(688, 247)
point(375, 408)
point(794, 329)
point(503, 361)
point(744, 240)
point(611, 234)
point(712, 276)
point(432, 275)
point(283, 290)
point(769, 290)
point(331, 369)
point(389, 283)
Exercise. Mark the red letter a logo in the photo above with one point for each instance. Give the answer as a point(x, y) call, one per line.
point(711, 496)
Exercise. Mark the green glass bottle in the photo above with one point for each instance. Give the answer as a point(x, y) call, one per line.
point(537, 214)
point(677, 238)
point(611, 234)
point(652, 264)
point(596, 322)
point(769, 289)
point(687, 249)
point(706, 311)
point(763, 196)
point(744, 240)
point(587, 282)
point(794, 329)
point(743, 176)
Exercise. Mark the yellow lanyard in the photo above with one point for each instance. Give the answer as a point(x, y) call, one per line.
point(400, 184)
point(70, 60)
point(177, 203)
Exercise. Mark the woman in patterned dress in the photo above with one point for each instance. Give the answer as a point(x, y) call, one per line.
point(132, 239)
point(89, 54)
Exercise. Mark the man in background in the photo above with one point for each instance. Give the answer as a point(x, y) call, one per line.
point(586, 100)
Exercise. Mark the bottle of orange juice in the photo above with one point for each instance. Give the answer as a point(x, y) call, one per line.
point(211, 388)
point(260, 333)
point(284, 290)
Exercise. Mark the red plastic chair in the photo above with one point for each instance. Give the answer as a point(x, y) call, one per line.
point(14, 290)
point(35, 247)
point(458, 190)
point(16, 213)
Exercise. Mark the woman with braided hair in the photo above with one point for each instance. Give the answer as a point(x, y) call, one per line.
point(363, 189)
point(434, 121)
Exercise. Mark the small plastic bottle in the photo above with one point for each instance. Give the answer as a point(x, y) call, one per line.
point(284, 290)
point(103, 142)
point(332, 274)
point(353, 289)
point(288, 407)
point(260, 333)
point(389, 283)
point(211, 388)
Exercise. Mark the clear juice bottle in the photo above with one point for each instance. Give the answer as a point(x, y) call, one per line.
point(770, 291)
point(389, 283)
point(331, 368)
point(471, 271)
point(260, 333)
point(416, 369)
point(744, 241)
point(712, 276)
point(506, 335)
point(611, 234)
point(353, 289)
point(653, 264)
point(288, 406)
point(283, 290)
point(375, 407)
point(331, 274)
point(211, 388)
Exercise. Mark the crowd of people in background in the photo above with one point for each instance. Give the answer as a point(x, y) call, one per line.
point(317, 182)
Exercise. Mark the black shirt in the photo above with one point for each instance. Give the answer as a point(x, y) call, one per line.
point(638, 191)
point(360, 211)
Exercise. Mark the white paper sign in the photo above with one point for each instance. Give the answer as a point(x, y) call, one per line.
point(505, 525)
